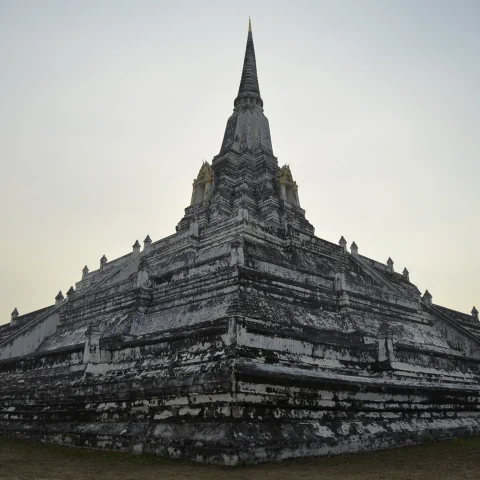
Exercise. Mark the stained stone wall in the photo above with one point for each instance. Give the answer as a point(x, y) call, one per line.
point(243, 349)
point(242, 337)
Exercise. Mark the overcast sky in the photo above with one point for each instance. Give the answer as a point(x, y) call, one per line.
point(107, 109)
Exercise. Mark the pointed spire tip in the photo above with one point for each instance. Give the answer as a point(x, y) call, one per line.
point(249, 91)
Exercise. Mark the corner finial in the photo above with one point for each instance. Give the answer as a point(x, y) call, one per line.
point(147, 243)
point(103, 262)
point(427, 297)
point(13, 321)
point(249, 24)
point(136, 247)
point(71, 293)
point(354, 248)
point(390, 264)
point(59, 298)
point(85, 271)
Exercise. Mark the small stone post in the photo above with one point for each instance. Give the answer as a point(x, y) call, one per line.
point(474, 313)
point(354, 249)
point(70, 293)
point(390, 264)
point(14, 318)
point(136, 248)
point(406, 274)
point(85, 272)
point(59, 298)
point(103, 262)
point(343, 243)
point(147, 243)
point(427, 298)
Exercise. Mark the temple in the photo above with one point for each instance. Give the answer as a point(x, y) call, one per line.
point(242, 337)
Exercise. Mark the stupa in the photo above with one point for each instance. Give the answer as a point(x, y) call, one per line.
point(242, 337)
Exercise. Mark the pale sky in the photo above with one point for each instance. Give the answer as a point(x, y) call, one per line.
point(107, 109)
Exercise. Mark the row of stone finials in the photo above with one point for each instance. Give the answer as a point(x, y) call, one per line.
point(427, 296)
point(59, 299)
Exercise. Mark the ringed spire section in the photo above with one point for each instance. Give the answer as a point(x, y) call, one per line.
point(248, 129)
point(249, 90)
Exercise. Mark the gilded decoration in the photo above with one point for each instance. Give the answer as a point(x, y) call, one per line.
point(285, 176)
point(205, 174)
point(202, 184)
point(288, 186)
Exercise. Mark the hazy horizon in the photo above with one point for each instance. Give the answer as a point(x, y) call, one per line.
point(108, 109)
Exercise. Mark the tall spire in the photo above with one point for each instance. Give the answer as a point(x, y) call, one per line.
point(249, 91)
point(247, 128)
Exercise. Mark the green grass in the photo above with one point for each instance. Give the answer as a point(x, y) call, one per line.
point(454, 460)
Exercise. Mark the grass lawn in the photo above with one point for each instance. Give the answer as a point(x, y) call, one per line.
point(454, 460)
